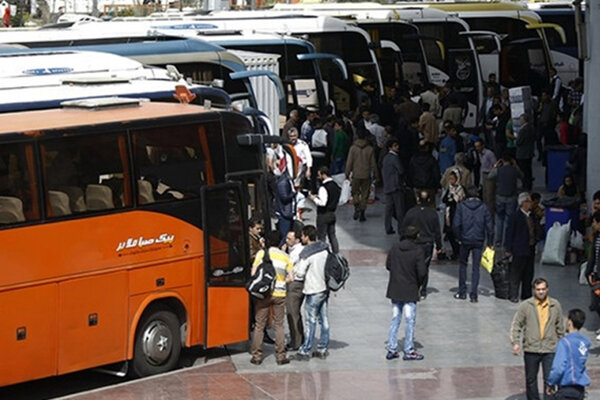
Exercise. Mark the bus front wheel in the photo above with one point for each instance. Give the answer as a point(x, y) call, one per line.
point(157, 343)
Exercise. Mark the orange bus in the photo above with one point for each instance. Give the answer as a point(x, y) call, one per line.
point(123, 235)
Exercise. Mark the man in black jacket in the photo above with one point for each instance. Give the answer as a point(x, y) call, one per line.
point(424, 171)
point(520, 244)
point(326, 200)
point(406, 264)
point(525, 145)
point(393, 186)
point(425, 218)
point(472, 225)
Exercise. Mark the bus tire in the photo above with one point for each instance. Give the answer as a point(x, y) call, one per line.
point(157, 343)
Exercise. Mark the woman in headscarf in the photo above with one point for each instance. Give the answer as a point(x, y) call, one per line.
point(569, 188)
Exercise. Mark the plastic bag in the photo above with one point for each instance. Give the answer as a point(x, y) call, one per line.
point(582, 278)
point(555, 248)
point(345, 194)
point(487, 259)
point(576, 240)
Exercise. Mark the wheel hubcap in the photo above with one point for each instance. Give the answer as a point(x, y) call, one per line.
point(157, 341)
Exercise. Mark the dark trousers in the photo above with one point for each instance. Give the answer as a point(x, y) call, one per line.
point(326, 228)
point(532, 367)
point(521, 275)
point(465, 249)
point(293, 304)
point(427, 251)
point(285, 225)
point(525, 166)
point(570, 393)
point(394, 207)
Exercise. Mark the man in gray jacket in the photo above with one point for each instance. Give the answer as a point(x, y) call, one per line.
point(394, 180)
point(536, 328)
point(472, 226)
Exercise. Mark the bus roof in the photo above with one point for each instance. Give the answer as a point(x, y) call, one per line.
point(30, 122)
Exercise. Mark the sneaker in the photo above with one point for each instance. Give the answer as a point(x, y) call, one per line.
point(300, 357)
point(598, 337)
point(255, 361)
point(413, 356)
point(391, 355)
point(459, 296)
point(320, 354)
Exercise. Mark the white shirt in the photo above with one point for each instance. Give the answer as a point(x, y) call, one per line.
point(322, 196)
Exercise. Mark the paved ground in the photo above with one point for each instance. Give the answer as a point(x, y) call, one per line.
point(466, 347)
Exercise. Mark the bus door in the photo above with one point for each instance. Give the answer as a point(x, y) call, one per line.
point(488, 46)
point(389, 57)
point(226, 259)
point(463, 68)
point(303, 87)
point(522, 63)
point(435, 51)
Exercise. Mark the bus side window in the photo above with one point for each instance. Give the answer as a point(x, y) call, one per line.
point(169, 166)
point(83, 173)
point(18, 201)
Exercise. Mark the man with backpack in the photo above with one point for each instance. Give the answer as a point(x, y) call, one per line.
point(271, 299)
point(311, 268)
point(327, 199)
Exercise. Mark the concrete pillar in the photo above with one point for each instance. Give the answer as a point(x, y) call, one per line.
point(591, 116)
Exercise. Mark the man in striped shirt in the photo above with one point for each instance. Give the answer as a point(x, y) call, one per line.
point(275, 302)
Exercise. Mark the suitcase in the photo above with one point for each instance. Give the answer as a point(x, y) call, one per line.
point(501, 278)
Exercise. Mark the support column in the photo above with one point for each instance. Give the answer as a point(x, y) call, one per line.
point(591, 116)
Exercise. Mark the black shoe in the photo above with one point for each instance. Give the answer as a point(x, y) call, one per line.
point(514, 300)
point(255, 361)
point(283, 361)
point(356, 214)
point(458, 296)
point(362, 217)
point(474, 300)
point(267, 339)
point(300, 357)
point(290, 348)
point(390, 232)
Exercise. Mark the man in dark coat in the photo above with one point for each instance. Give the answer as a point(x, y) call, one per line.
point(525, 145)
point(425, 218)
point(393, 186)
point(472, 225)
point(406, 264)
point(520, 244)
point(424, 171)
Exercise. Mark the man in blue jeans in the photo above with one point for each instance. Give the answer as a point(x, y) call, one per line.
point(406, 263)
point(472, 225)
point(311, 268)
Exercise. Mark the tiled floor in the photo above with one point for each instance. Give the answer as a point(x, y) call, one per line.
point(466, 346)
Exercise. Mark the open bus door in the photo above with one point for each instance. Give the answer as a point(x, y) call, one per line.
point(226, 261)
point(522, 63)
point(337, 61)
point(391, 63)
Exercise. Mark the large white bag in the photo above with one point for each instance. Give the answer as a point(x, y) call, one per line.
point(576, 240)
point(345, 195)
point(555, 248)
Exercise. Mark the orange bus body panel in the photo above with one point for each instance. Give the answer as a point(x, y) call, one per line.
point(36, 122)
point(92, 321)
point(161, 277)
point(231, 326)
point(93, 245)
point(32, 313)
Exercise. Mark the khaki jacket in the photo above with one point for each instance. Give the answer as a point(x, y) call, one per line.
point(525, 327)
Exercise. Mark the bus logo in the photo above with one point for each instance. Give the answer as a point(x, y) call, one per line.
point(141, 242)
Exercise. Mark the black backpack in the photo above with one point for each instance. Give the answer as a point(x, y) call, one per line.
point(337, 271)
point(261, 284)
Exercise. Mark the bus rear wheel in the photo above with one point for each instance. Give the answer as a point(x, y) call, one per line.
point(157, 343)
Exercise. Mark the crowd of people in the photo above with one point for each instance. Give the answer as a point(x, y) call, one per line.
point(414, 146)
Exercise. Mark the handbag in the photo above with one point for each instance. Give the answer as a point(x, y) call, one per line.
point(487, 259)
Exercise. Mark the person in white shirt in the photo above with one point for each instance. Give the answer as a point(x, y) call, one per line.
point(326, 200)
point(303, 151)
